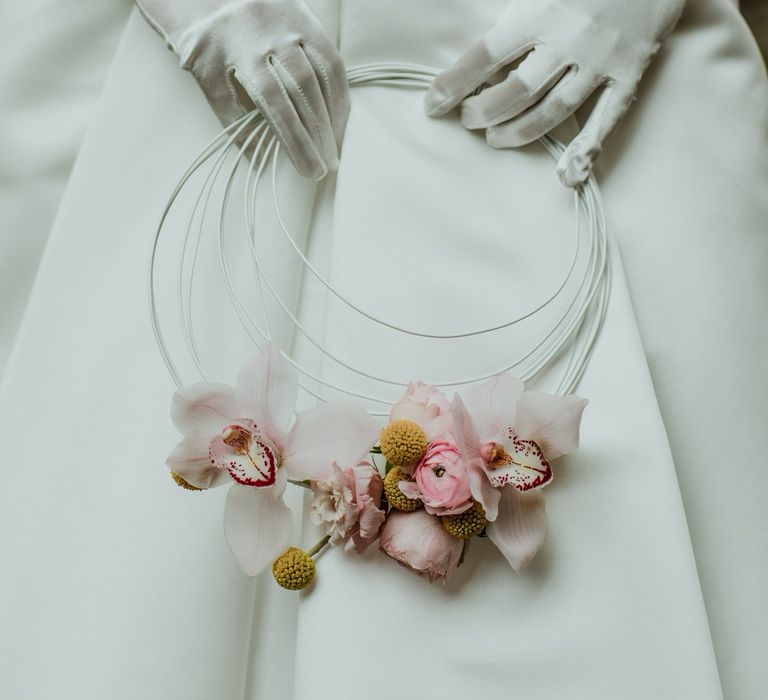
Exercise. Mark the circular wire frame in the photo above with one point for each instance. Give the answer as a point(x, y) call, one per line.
point(574, 332)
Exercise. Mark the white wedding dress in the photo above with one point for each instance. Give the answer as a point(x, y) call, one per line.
point(117, 584)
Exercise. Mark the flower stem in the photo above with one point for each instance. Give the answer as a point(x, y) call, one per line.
point(304, 484)
point(319, 546)
point(464, 551)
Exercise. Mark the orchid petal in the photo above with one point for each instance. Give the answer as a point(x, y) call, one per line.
point(257, 525)
point(189, 459)
point(205, 407)
point(333, 432)
point(551, 421)
point(464, 430)
point(493, 404)
point(268, 388)
point(520, 527)
point(482, 489)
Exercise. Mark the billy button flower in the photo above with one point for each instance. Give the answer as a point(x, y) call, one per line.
point(395, 497)
point(403, 443)
point(295, 569)
point(467, 524)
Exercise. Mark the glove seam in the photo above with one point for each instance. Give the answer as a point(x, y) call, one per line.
point(563, 70)
point(268, 114)
point(230, 71)
point(497, 65)
point(313, 116)
point(318, 67)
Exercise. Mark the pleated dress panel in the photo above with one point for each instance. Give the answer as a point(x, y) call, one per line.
point(685, 179)
point(116, 583)
point(55, 60)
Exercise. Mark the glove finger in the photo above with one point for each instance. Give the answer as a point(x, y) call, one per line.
point(227, 98)
point(332, 75)
point(272, 100)
point(524, 87)
point(478, 63)
point(559, 104)
point(575, 164)
point(302, 84)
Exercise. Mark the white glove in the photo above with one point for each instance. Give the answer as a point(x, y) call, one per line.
point(571, 48)
point(271, 54)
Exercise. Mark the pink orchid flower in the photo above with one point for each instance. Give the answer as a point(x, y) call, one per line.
point(240, 435)
point(508, 438)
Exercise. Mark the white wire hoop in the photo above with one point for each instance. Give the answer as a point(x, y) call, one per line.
point(572, 335)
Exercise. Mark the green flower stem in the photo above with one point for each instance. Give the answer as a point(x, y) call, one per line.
point(464, 551)
point(319, 546)
point(304, 484)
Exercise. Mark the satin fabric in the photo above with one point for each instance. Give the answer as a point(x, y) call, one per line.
point(54, 64)
point(123, 583)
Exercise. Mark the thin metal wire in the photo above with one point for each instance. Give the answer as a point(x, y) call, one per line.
point(204, 155)
point(576, 330)
point(399, 382)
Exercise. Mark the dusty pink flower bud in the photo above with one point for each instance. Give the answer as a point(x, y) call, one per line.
point(419, 541)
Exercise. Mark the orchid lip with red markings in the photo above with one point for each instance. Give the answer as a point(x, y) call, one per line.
point(519, 463)
point(242, 449)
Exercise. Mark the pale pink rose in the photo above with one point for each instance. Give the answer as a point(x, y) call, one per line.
point(347, 505)
point(419, 541)
point(426, 405)
point(440, 480)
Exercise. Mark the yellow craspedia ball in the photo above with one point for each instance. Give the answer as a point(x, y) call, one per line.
point(403, 443)
point(467, 524)
point(396, 498)
point(181, 481)
point(294, 569)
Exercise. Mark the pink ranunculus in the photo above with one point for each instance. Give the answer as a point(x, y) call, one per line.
point(419, 541)
point(347, 505)
point(440, 480)
point(426, 405)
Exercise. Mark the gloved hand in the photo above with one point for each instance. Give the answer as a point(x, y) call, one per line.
point(271, 54)
point(571, 48)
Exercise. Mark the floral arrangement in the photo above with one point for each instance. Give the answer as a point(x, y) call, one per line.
point(453, 470)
